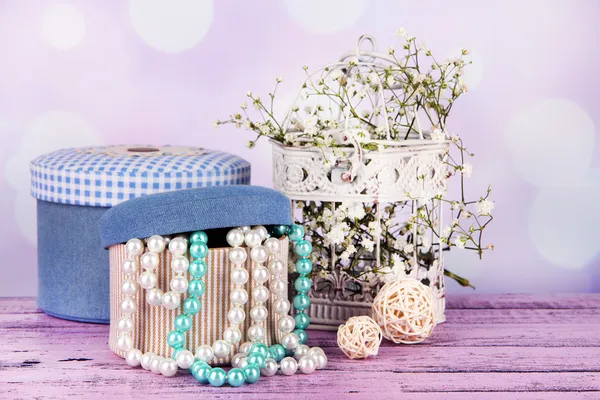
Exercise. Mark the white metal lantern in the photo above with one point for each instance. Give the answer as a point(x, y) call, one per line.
point(406, 172)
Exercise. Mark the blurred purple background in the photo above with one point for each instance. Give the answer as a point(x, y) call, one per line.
point(160, 71)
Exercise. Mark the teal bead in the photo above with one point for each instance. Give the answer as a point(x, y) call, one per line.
point(176, 339)
point(236, 377)
point(302, 320)
point(259, 348)
point(289, 353)
point(196, 288)
point(302, 335)
point(198, 268)
point(175, 352)
point(199, 236)
point(279, 230)
point(304, 266)
point(296, 232)
point(191, 306)
point(257, 359)
point(303, 248)
point(277, 352)
point(252, 373)
point(301, 302)
point(202, 373)
point(302, 284)
point(183, 323)
point(199, 250)
point(217, 377)
point(196, 366)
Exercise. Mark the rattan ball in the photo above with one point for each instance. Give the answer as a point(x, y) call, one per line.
point(359, 337)
point(404, 311)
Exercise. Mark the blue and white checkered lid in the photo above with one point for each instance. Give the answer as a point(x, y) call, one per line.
point(106, 176)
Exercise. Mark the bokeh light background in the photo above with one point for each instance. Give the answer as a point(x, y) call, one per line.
point(160, 71)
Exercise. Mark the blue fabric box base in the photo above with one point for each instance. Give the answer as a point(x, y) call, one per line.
point(73, 267)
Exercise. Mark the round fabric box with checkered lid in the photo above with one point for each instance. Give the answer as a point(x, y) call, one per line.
point(75, 187)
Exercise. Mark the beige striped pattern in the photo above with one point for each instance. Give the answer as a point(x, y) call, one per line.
point(153, 323)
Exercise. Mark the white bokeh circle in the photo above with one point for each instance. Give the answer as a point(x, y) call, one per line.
point(62, 26)
point(551, 143)
point(171, 26)
point(329, 16)
point(563, 224)
point(42, 134)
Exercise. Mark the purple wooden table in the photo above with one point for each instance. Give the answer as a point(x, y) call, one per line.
point(493, 346)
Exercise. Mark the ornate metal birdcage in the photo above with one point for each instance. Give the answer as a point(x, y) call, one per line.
point(375, 154)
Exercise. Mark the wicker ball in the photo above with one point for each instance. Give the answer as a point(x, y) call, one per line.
point(359, 337)
point(404, 310)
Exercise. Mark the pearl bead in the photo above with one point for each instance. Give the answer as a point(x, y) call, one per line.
point(302, 320)
point(133, 357)
point(221, 348)
point(128, 306)
point(155, 364)
point(125, 324)
point(235, 237)
point(257, 359)
point(232, 335)
point(282, 306)
point(279, 287)
point(256, 333)
point(217, 377)
point(260, 348)
point(180, 264)
point(179, 284)
point(178, 246)
point(259, 254)
point(252, 373)
point(260, 293)
point(134, 248)
point(168, 367)
point(124, 342)
point(199, 250)
point(236, 315)
point(192, 306)
point(235, 360)
point(185, 359)
point(205, 353)
point(154, 297)
point(130, 266)
point(245, 347)
point(129, 287)
point(150, 261)
point(303, 248)
point(296, 232)
point(260, 274)
point(273, 246)
point(243, 362)
point(198, 268)
point(270, 368)
point(286, 324)
point(156, 243)
point(252, 239)
point(276, 267)
point(171, 300)
point(277, 352)
point(290, 341)
point(301, 302)
point(313, 351)
point(239, 276)
point(145, 360)
point(307, 364)
point(237, 255)
point(304, 266)
point(258, 313)
point(245, 228)
point(238, 296)
point(183, 322)
point(148, 280)
point(301, 350)
point(289, 366)
point(199, 236)
point(320, 360)
point(262, 231)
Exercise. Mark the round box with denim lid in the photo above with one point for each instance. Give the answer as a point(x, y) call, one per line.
point(208, 215)
point(75, 187)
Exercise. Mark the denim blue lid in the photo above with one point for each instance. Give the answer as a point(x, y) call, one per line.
point(195, 209)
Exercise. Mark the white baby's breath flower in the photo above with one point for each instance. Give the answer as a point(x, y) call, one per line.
point(356, 210)
point(399, 243)
point(409, 248)
point(466, 169)
point(279, 79)
point(216, 124)
point(437, 134)
point(484, 207)
point(401, 32)
point(344, 256)
point(323, 274)
point(460, 242)
point(249, 93)
point(368, 244)
point(244, 106)
point(350, 249)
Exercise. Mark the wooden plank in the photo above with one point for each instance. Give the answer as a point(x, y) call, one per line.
point(79, 382)
point(542, 301)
